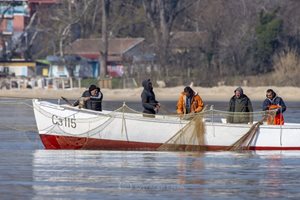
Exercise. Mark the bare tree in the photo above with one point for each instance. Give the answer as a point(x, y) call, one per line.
point(161, 15)
point(104, 48)
point(57, 22)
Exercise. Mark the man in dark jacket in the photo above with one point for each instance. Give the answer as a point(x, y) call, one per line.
point(149, 102)
point(275, 103)
point(240, 108)
point(96, 99)
point(92, 98)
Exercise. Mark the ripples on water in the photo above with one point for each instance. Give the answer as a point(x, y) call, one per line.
point(41, 174)
point(29, 172)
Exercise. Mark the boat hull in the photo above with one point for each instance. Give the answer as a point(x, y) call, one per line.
point(64, 127)
point(74, 143)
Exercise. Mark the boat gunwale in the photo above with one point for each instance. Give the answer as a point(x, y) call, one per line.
point(158, 118)
point(175, 119)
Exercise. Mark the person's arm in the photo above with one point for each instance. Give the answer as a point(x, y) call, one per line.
point(98, 97)
point(250, 109)
point(180, 105)
point(199, 104)
point(85, 94)
point(266, 105)
point(146, 103)
point(230, 111)
point(282, 104)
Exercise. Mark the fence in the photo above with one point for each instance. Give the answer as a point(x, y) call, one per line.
point(41, 82)
point(65, 83)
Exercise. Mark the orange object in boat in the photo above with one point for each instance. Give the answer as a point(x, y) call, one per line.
point(278, 118)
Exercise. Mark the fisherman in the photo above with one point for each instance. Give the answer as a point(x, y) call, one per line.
point(189, 102)
point(276, 104)
point(96, 100)
point(91, 99)
point(240, 108)
point(151, 106)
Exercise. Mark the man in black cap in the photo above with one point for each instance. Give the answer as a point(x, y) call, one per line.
point(92, 99)
point(238, 105)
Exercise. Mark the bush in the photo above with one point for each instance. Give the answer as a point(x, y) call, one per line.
point(286, 65)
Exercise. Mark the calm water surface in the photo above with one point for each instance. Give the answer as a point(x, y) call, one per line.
point(27, 171)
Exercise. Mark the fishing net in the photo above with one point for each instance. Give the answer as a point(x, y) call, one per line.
point(245, 141)
point(189, 138)
point(18, 118)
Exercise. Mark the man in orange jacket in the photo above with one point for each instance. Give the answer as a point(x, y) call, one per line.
point(189, 102)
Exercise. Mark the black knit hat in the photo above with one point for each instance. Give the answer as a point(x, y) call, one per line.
point(92, 87)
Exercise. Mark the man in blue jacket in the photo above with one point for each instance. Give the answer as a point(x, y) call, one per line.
point(275, 103)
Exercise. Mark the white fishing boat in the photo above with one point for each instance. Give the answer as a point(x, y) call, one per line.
point(67, 127)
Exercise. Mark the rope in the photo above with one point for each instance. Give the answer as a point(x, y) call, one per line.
point(124, 113)
point(124, 127)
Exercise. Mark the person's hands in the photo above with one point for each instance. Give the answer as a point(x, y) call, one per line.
point(278, 111)
point(270, 112)
point(180, 115)
point(157, 106)
point(86, 98)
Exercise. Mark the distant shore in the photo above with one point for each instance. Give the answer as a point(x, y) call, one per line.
point(222, 93)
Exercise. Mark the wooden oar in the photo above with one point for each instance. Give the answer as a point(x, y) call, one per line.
point(66, 100)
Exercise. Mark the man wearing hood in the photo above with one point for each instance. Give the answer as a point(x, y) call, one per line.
point(275, 103)
point(151, 106)
point(92, 98)
point(240, 108)
point(189, 102)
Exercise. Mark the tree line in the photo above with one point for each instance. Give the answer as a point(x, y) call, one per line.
point(254, 42)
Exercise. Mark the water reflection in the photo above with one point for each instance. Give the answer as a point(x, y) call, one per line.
point(44, 174)
point(16, 176)
point(190, 168)
point(273, 176)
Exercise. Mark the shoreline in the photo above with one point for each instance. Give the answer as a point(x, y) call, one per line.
point(222, 93)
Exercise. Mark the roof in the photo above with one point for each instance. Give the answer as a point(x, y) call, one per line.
point(188, 39)
point(91, 48)
point(17, 63)
point(43, 61)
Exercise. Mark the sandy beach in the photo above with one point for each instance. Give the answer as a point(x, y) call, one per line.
point(222, 93)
